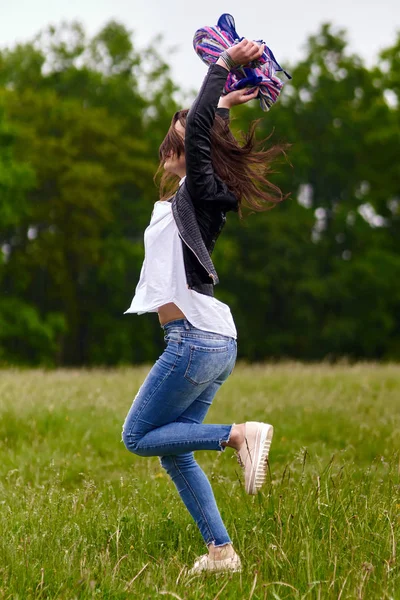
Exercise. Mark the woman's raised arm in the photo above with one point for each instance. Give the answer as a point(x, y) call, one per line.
point(200, 177)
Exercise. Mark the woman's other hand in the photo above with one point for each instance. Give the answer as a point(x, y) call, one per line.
point(238, 97)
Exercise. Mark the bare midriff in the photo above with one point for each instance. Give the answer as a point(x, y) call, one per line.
point(169, 312)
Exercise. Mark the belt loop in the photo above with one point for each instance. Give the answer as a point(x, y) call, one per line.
point(186, 323)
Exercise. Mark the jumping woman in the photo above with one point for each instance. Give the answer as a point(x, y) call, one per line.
point(210, 174)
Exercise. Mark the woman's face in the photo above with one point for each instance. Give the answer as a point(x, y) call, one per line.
point(173, 163)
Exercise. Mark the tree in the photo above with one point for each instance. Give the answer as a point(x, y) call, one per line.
point(83, 119)
point(345, 140)
point(83, 127)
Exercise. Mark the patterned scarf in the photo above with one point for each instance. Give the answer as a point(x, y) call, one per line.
point(209, 42)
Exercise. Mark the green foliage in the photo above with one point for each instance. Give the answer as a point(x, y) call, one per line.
point(81, 517)
point(80, 124)
point(78, 246)
point(15, 179)
point(40, 342)
point(321, 281)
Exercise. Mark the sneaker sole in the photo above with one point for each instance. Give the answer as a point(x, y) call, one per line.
point(237, 569)
point(258, 474)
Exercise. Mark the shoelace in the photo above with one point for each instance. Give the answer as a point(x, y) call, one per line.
point(204, 558)
point(241, 463)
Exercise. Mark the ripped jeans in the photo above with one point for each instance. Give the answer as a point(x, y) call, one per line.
point(166, 416)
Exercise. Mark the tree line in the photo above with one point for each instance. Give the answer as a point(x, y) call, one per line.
point(81, 120)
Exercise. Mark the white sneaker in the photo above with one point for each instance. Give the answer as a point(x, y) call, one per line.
point(253, 454)
point(205, 563)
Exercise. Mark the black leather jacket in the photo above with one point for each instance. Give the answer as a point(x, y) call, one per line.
point(202, 201)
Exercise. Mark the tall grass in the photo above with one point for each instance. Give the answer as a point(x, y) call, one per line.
point(82, 518)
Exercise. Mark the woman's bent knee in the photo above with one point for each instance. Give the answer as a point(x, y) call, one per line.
point(131, 442)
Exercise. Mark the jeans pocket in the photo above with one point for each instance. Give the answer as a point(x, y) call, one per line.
point(206, 363)
point(173, 336)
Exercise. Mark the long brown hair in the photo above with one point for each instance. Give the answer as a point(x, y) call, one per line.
point(243, 167)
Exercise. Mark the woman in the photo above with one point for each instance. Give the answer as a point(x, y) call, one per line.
point(176, 280)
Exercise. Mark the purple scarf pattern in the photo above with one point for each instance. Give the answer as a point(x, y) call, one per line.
point(209, 42)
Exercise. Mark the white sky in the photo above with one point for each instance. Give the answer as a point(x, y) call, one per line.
point(284, 24)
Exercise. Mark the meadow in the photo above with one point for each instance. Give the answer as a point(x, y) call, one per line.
point(82, 518)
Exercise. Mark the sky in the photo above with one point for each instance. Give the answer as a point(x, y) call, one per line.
point(283, 25)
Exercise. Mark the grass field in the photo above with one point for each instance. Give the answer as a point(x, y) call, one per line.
point(80, 517)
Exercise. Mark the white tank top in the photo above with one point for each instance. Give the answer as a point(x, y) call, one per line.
point(163, 278)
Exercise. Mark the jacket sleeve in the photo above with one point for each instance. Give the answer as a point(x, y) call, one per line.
point(223, 113)
point(201, 181)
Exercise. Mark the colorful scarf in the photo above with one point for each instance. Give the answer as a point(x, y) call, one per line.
point(209, 42)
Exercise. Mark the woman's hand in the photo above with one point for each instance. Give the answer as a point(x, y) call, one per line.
point(245, 52)
point(238, 97)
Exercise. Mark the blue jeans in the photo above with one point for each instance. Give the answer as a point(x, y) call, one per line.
point(166, 417)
